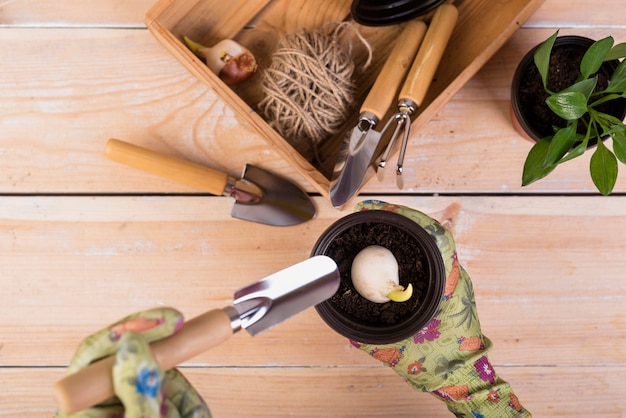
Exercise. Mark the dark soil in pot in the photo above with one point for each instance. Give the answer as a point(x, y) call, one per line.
point(419, 263)
point(410, 264)
point(528, 95)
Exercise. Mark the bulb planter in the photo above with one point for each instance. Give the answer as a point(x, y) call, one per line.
point(419, 263)
point(536, 121)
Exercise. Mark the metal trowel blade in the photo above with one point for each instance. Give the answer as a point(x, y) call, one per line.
point(282, 202)
point(353, 162)
point(283, 294)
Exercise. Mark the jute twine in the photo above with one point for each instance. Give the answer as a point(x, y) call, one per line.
point(309, 89)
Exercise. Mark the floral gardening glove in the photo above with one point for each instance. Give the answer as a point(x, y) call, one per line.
point(448, 358)
point(142, 389)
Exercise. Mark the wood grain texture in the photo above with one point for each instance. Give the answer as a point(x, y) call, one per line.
point(553, 13)
point(133, 265)
point(57, 114)
point(347, 392)
point(357, 392)
point(85, 241)
point(42, 13)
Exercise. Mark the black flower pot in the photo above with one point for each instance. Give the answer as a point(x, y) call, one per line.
point(419, 262)
point(530, 115)
point(390, 12)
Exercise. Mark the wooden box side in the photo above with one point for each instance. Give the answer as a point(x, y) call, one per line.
point(205, 21)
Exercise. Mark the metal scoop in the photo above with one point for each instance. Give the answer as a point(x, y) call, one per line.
point(260, 196)
point(418, 80)
point(255, 308)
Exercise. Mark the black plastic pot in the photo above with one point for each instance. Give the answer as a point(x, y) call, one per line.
point(390, 12)
point(420, 262)
point(527, 108)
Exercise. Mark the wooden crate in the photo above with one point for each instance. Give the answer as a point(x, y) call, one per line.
point(482, 28)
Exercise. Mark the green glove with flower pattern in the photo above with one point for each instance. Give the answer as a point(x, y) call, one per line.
point(448, 358)
point(142, 389)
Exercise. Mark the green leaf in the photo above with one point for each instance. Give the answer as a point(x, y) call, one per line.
point(569, 105)
point(533, 166)
point(613, 130)
point(606, 98)
point(585, 87)
point(619, 147)
point(594, 57)
point(561, 142)
point(603, 168)
point(608, 122)
point(617, 52)
point(617, 83)
point(542, 58)
point(577, 151)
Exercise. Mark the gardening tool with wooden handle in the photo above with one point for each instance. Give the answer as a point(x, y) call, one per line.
point(260, 196)
point(417, 83)
point(255, 308)
point(359, 145)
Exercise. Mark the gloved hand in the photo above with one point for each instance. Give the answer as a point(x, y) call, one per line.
point(448, 358)
point(142, 389)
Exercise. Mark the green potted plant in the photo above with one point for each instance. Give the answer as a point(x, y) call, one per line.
point(580, 112)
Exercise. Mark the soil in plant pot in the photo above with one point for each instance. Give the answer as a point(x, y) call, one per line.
point(411, 266)
point(563, 72)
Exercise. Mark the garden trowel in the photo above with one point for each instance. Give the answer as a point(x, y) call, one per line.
point(255, 308)
point(260, 196)
point(357, 154)
point(360, 144)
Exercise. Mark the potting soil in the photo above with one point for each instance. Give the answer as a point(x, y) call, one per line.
point(411, 266)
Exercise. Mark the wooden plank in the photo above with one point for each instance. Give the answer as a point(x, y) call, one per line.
point(56, 114)
point(346, 392)
point(546, 270)
point(75, 264)
point(42, 13)
point(586, 13)
point(119, 12)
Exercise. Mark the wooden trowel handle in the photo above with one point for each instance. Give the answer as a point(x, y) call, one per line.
point(383, 92)
point(171, 168)
point(94, 384)
point(429, 54)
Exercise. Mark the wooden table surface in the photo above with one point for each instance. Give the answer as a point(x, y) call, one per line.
point(84, 241)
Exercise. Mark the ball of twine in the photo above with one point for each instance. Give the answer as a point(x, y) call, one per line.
point(309, 88)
